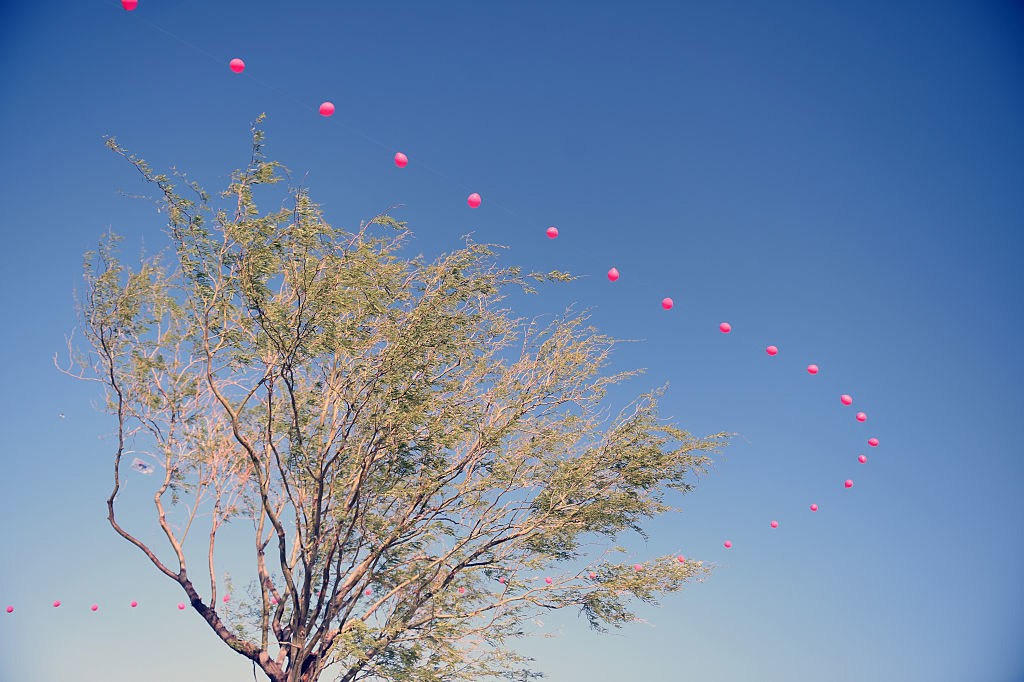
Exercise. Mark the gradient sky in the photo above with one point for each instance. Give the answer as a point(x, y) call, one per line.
point(837, 179)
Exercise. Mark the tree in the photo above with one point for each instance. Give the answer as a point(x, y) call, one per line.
point(416, 491)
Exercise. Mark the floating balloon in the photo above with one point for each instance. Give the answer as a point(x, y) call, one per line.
point(667, 303)
point(237, 65)
point(814, 507)
point(552, 232)
point(681, 559)
point(725, 327)
point(368, 592)
point(401, 160)
point(326, 108)
point(181, 607)
point(501, 580)
point(772, 350)
point(548, 580)
point(728, 544)
point(474, 200)
point(873, 442)
point(637, 567)
point(94, 607)
point(10, 609)
point(812, 369)
point(862, 459)
point(593, 575)
point(861, 417)
point(775, 524)
point(134, 604)
point(273, 600)
point(848, 483)
point(227, 598)
point(613, 274)
point(846, 399)
point(129, 4)
point(56, 603)
point(462, 590)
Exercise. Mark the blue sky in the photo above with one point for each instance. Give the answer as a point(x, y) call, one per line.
point(837, 179)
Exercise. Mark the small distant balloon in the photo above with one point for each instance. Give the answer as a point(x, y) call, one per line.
point(462, 590)
point(10, 609)
point(134, 604)
point(552, 232)
point(326, 108)
point(548, 580)
point(401, 160)
point(681, 559)
point(237, 65)
point(613, 274)
point(474, 200)
point(227, 598)
point(846, 399)
point(667, 303)
point(368, 592)
point(728, 544)
point(862, 459)
point(725, 327)
point(94, 607)
point(56, 603)
point(273, 600)
point(848, 483)
point(873, 442)
point(501, 580)
point(181, 607)
point(812, 369)
point(637, 567)
point(862, 417)
point(129, 4)
point(593, 575)
point(775, 524)
point(772, 350)
point(814, 507)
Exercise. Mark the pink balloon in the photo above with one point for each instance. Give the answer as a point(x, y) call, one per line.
point(227, 598)
point(593, 575)
point(552, 232)
point(848, 483)
point(181, 607)
point(56, 603)
point(775, 524)
point(273, 600)
point(667, 303)
point(401, 160)
point(873, 442)
point(548, 580)
point(134, 604)
point(862, 459)
point(846, 399)
point(725, 327)
point(237, 65)
point(474, 200)
point(772, 350)
point(814, 507)
point(812, 369)
point(326, 108)
point(728, 544)
point(10, 609)
point(637, 567)
point(462, 590)
point(681, 559)
point(129, 4)
point(861, 417)
point(368, 592)
point(94, 607)
point(501, 580)
point(613, 274)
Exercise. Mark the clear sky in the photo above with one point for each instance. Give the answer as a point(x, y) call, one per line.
point(840, 179)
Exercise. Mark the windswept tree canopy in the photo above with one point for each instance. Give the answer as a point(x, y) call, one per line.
point(410, 482)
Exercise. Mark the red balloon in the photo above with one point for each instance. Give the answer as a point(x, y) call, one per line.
point(861, 417)
point(134, 604)
point(327, 108)
point(56, 603)
point(593, 575)
point(862, 459)
point(93, 607)
point(501, 580)
point(848, 483)
point(814, 507)
point(812, 369)
point(462, 590)
point(613, 274)
point(237, 65)
point(846, 399)
point(667, 303)
point(368, 592)
point(637, 567)
point(725, 327)
point(474, 200)
point(401, 160)
point(728, 544)
point(181, 607)
point(775, 524)
point(772, 350)
point(129, 4)
point(10, 609)
point(681, 559)
point(873, 442)
point(552, 232)
point(548, 580)
point(227, 598)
